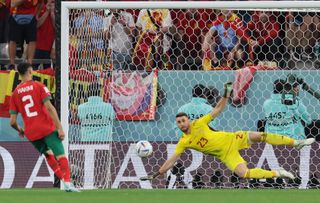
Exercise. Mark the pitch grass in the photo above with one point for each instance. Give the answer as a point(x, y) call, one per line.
point(160, 196)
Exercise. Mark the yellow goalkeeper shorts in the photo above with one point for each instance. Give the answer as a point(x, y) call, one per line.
point(232, 158)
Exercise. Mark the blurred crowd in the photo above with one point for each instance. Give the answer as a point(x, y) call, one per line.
point(169, 39)
point(28, 32)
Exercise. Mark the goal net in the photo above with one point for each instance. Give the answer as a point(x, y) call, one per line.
point(127, 68)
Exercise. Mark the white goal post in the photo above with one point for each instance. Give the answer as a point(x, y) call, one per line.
point(66, 7)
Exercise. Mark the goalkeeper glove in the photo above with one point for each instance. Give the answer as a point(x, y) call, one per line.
point(146, 178)
point(151, 177)
point(227, 89)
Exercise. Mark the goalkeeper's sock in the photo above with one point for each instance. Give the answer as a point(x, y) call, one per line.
point(259, 173)
point(54, 165)
point(276, 139)
point(64, 164)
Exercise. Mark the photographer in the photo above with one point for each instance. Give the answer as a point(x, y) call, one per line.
point(96, 117)
point(286, 114)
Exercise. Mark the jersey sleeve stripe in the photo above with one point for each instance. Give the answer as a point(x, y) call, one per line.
point(13, 112)
point(46, 99)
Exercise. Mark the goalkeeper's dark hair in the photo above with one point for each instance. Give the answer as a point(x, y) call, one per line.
point(200, 90)
point(181, 114)
point(23, 68)
point(278, 86)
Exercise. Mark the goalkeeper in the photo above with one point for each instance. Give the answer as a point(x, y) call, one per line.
point(226, 145)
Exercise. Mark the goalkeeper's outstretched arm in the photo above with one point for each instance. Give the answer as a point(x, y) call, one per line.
point(223, 101)
point(164, 168)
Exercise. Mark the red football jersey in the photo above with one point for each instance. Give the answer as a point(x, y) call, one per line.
point(27, 7)
point(45, 33)
point(28, 99)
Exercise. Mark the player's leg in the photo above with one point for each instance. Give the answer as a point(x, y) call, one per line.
point(54, 165)
point(277, 139)
point(236, 163)
point(42, 147)
point(55, 144)
point(244, 172)
point(270, 138)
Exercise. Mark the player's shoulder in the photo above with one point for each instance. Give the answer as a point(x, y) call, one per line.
point(43, 86)
point(15, 92)
point(182, 139)
point(207, 115)
point(196, 122)
point(37, 84)
point(17, 87)
point(22, 86)
point(203, 120)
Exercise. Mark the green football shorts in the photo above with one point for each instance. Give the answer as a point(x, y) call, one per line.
point(51, 142)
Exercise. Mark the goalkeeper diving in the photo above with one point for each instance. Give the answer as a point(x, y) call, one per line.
point(226, 145)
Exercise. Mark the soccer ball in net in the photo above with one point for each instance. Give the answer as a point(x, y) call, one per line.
point(144, 148)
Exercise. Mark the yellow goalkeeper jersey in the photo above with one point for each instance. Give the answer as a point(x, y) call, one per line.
point(204, 140)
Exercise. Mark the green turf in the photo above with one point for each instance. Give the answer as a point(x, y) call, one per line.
point(160, 196)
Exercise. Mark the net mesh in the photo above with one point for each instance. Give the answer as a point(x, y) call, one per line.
point(131, 70)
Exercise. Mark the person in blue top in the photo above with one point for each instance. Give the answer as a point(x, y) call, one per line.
point(198, 106)
point(286, 114)
point(96, 117)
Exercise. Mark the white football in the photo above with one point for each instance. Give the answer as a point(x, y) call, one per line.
point(144, 148)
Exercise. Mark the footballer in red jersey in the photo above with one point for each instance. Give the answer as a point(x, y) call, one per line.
point(41, 123)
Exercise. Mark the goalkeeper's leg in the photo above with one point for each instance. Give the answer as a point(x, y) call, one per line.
point(243, 171)
point(277, 139)
point(237, 164)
